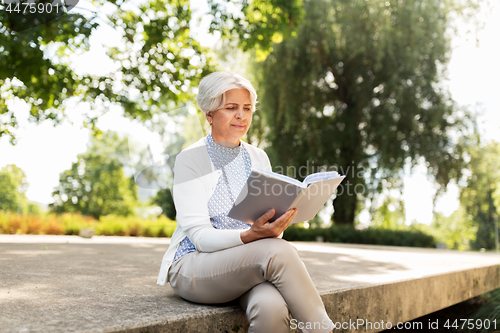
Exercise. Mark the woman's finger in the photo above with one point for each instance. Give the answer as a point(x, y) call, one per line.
point(287, 218)
point(265, 217)
point(292, 216)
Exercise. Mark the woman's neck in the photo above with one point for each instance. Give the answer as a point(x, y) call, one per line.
point(225, 143)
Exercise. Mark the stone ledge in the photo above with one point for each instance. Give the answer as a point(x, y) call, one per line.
point(107, 284)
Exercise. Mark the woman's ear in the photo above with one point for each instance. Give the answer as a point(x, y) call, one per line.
point(209, 117)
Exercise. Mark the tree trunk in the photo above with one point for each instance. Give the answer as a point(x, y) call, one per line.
point(351, 155)
point(345, 208)
point(346, 201)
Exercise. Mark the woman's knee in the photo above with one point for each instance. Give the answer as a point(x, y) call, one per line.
point(278, 246)
point(282, 252)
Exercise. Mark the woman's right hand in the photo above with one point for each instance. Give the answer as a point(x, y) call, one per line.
point(262, 228)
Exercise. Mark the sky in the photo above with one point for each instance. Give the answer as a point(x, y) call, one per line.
point(44, 151)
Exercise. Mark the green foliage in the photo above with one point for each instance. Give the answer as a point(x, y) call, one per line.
point(12, 223)
point(457, 231)
point(13, 184)
point(27, 74)
point(165, 200)
point(72, 223)
point(34, 209)
point(390, 215)
point(8, 192)
point(489, 311)
point(111, 225)
point(157, 61)
point(496, 199)
point(258, 24)
point(357, 91)
point(478, 196)
point(95, 185)
point(371, 235)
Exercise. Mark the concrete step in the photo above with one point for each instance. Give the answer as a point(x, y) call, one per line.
point(108, 284)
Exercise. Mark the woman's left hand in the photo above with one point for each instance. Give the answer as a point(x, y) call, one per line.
point(262, 228)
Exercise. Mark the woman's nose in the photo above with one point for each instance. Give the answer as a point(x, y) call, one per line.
point(240, 114)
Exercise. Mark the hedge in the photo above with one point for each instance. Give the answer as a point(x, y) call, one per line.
point(371, 235)
point(70, 224)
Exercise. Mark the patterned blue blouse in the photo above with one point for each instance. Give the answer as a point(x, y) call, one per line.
point(236, 165)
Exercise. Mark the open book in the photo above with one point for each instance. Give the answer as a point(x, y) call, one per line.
point(265, 190)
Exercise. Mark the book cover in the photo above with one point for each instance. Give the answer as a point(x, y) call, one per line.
point(265, 190)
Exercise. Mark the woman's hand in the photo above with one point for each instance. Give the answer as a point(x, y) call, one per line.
point(262, 228)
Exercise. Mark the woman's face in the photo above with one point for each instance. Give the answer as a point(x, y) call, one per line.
point(232, 121)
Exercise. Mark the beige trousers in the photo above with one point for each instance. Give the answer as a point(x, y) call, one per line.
point(266, 276)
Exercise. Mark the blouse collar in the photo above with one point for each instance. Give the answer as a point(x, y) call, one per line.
point(214, 145)
point(220, 155)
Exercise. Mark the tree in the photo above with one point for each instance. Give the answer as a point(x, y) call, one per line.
point(27, 74)
point(189, 130)
point(477, 196)
point(390, 215)
point(157, 60)
point(357, 90)
point(257, 24)
point(165, 201)
point(96, 185)
point(458, 231)
point(13, 184)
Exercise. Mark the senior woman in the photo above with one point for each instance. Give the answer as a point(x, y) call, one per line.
point(213, 258)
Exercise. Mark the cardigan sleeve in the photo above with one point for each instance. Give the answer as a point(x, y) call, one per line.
point(192, 180)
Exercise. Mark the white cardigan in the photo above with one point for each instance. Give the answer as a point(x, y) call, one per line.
point(195, 178)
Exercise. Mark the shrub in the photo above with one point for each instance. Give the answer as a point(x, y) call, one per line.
point(110, 225)
point(72, 223)
point(490, 312)
point(13, 223)
point(371, 235)
point(134, 226)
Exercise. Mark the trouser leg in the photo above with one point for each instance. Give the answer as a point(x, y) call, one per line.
point(265, 308)
point(223, 276)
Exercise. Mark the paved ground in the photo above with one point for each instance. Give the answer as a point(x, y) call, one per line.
point(108, 284)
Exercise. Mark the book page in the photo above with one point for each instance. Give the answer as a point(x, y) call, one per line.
point(281, 177)
point(314, 177)
point(312, 199)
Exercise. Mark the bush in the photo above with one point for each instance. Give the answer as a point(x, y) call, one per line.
point(72, 223)
point(135, 226)
point(490, 311)
point(162, 227)
point(371, 235)
point(12, 223)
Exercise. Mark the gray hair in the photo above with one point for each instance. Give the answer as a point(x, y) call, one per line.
point(212, 89)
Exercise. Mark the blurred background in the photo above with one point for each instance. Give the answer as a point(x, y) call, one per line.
point(401, 96)
point(398, 95)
